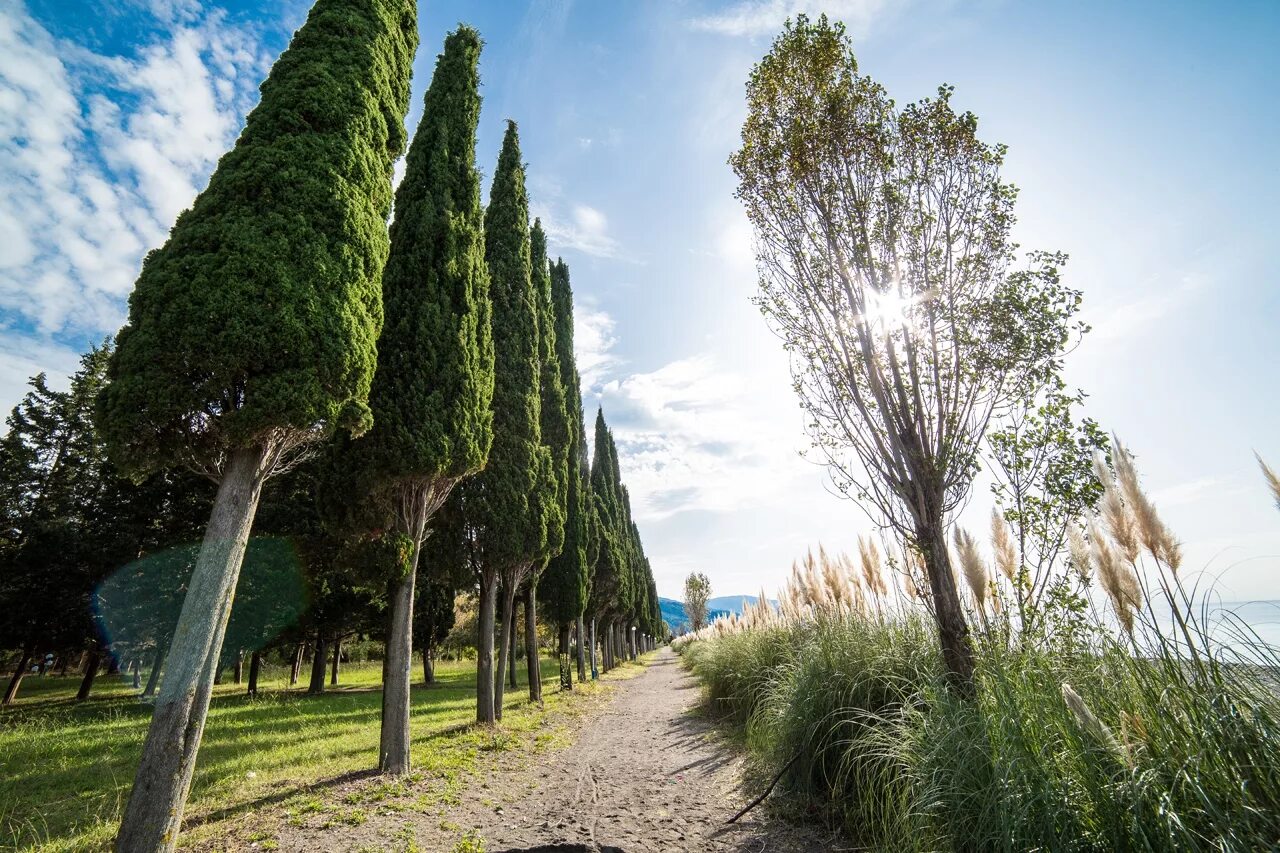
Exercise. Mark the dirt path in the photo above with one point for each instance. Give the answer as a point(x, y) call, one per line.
point(641, 775)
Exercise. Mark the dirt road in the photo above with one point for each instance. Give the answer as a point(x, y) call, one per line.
point(642, 775)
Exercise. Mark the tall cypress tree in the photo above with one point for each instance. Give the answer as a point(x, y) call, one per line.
point(504, 510)
point(252, 331)
point(556, 436)
point(432, 392)
point(565, 583)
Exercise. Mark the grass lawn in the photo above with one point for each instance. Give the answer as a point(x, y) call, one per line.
point(66, 767)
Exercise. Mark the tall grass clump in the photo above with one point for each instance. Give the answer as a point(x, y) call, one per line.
point(1117, 716)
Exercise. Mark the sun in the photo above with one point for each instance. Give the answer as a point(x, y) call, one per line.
point(888, 310)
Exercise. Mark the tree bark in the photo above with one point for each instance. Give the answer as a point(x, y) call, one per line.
point(318, 661)
point(508, 643)
point(90, 673)
point(238, 672)
point(511, 658)
point(337, 654)
point(484, 649)
point(11, 692)
point(582, 650)
point(953, 629)
point(136, 669)
point(428, 667)
point(532, 663)
point(297, 662)
point(393, 744)
point(154, 678)
point(255, 668)
point(566, 659)
point(153, 816)
point(595, 672)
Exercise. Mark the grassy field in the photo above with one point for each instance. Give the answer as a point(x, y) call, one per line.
point(66, 767)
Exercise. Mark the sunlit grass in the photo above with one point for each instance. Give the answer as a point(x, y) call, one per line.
point(66, 767)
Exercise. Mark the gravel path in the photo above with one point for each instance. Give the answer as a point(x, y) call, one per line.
point(642, 775)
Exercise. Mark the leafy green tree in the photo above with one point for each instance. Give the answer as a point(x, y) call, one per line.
point(513, 503)
point(697, 589)
point(556, 435)
point(434, 384)
point(567, 577)
point(252, 332)
point(888, 269)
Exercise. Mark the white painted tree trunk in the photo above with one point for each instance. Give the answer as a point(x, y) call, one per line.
point(153, 815)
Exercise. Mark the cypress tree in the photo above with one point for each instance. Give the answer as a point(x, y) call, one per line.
point(252, 331)
point(432, 392)
point(556, 436)
point(506, 507)
point(566, 580)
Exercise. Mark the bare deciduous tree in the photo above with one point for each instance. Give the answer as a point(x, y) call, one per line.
point(887, 268)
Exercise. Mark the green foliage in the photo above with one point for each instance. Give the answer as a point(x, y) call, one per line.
point(563, 589)
point(506, 503)
point(1162, 753)
point(433, 388)
point(554, 418)
point(262, 309)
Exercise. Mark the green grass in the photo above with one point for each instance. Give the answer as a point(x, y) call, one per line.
point(66, 767)
point(1174, 753)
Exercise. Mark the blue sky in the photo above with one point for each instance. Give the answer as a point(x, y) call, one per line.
point(1142, 136)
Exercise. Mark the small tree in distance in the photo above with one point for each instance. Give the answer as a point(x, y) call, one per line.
point(697, 589)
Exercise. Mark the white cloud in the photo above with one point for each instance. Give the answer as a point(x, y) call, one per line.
point(583, 228)
point(99, 155)
point(593, 342)
point(766, 17)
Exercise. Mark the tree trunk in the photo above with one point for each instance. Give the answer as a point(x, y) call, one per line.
point(318, 661)
point(255, 668)
point(337, 654)
point(511, 658)
point(953, 630)
point(136, 669)
point(582, 650)
point(24, 663)
point(90, 673)
point(566, 659)
point(153, 816)
point(154, 677)
point(595, 672)
point(217, 673)
point(484, 649)
point(393, 745)
point(113, 664)
point(63, 663)
point(532, 663)
point(428, 667)
point(508, 643)
point(237, 674)
point(297, 662)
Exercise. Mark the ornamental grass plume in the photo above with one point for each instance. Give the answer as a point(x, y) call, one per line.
point(1079, 551)
point(871, 567)
point(1002, 545)
point(1155, 535)
point(1273, 482)
point(1089, 723)
point(1119, 519)
point(975, 571)
point(1117, 578)
point(833, 579)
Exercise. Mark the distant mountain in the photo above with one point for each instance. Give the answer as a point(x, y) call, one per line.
point(673, 613)
point(733, 603)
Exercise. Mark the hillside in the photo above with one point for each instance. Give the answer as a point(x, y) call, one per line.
point(673, 614)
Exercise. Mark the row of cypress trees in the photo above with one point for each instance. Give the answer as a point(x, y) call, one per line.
point(283, 324)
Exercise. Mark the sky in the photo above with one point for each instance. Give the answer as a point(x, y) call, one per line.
point(1142, 136)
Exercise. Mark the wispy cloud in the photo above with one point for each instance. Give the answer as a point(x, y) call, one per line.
point(1124, 319)
point(582, 228)
point(593, 343)
point(766, 17)
point(99, 154)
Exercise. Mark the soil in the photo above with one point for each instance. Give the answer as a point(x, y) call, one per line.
point(643, 772)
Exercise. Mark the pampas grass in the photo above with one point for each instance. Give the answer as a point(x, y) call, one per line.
point(1079, 736)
